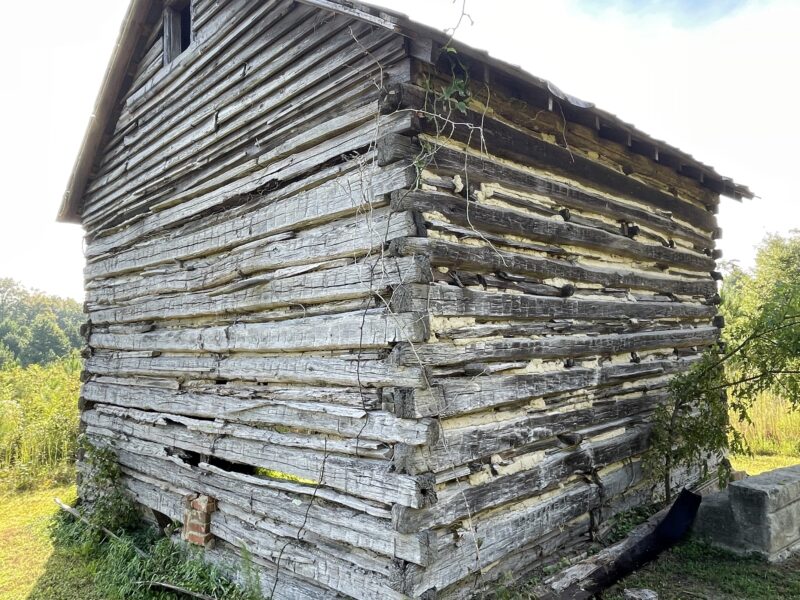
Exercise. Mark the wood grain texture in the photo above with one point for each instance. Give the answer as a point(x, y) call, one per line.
point(401, 360)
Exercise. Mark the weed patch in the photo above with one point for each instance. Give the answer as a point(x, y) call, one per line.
point(39, 424)
point(697, 570)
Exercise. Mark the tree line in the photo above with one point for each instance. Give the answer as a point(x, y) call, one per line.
point(36, 328)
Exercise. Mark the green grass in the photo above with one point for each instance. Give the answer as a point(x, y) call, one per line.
point(774, 429)
point(29, 566)
point(66, 576)
point(773, 435)
point(38, 423)
point(696, 570)
point(756, 464)
point(81, 566)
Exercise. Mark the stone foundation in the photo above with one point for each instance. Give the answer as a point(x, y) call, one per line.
point(755, 515)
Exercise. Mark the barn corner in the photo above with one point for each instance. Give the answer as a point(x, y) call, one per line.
point(387, 312)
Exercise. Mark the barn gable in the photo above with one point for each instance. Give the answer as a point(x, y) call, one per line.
point(136, 56)
point(392, 316)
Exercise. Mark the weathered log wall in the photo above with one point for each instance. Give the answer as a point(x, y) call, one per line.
point(570, 281)
point(405, 356)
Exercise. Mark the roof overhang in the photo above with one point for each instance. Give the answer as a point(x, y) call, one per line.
point(141, 14)
point(133, 29)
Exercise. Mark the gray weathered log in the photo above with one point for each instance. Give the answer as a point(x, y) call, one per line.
point(363, 279)
point(487, 259)
point(365, 329)
point(375, 482)
point(451, 301)
point(502, 220)
point(451, 396)
point(553, 346)
point(346, 370)
point(263, 407)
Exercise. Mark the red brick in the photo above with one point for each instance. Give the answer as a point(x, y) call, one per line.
point(199, 539)
point(197, 517)
point(196, 527)
point(204, 504)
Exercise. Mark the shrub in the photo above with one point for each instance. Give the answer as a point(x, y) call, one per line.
point(39, 421)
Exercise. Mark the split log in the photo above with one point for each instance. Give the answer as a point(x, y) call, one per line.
point(450, 301)
point(553, 346)
point(363, 279)
point(256, 407)
point(517, 145)
point(461, 444)
point(500, 220)
point(367, 329)
point(347, 370)
point(261, 538)
point(452, 396)
point(375, 481)
point(317, 515)
point(465, 499)
point(482, 259)
point(351, 237)
point(495, 536)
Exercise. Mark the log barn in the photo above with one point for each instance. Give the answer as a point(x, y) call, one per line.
point(387, 312)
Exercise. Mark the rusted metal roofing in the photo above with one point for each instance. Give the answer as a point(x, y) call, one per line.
point(140, 13)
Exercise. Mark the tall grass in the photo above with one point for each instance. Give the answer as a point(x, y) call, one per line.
point(774, 429)
point(38, 421)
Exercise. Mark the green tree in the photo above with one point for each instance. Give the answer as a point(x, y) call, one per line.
point(15, 336)
point(760, 353)
point(36, 327)
point(48, 342)
point(762, 312)
point(7, 357)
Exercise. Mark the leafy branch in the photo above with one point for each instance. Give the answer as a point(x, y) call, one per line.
point(695, 428)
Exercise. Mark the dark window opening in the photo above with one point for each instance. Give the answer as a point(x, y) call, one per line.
point(186, 26)
point(187, 456)
point(177, 29)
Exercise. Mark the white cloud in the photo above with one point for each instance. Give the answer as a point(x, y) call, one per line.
point(724, 91)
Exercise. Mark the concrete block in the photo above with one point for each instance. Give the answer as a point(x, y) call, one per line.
point(715, 521)
point(769, 491)
point(759, 514)
point(784, 529)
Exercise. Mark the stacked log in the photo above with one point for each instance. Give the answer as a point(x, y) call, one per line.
point(399, 372)
point(560, 308)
